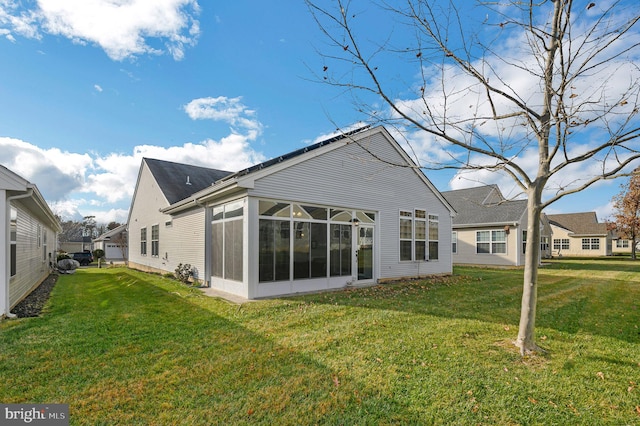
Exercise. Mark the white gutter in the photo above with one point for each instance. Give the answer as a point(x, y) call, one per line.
point(201, 197)
point(7, 278)
point(485, 225)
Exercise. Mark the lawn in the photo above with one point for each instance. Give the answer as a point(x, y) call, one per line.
point(123, 347)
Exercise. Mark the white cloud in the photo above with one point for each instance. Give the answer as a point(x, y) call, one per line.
point(121, 28)
point(97, 87)
point(228, 110)
point(56, 173)
point(76, 185)
point(466, 105)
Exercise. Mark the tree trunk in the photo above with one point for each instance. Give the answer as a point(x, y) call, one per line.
point(526, 333)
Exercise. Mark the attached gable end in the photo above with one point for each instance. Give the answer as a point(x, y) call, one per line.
point(579, 223)
point(485, 205)
point(360, 172)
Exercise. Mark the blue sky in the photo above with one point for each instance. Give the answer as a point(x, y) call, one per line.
point(89, 87)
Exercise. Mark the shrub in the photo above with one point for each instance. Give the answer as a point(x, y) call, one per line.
point(184, 272)
point(62, 256)
point(98, 254)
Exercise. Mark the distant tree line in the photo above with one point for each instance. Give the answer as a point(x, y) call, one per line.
point(73, 230)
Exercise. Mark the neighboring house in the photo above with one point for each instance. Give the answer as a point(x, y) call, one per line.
point(580, 234)
point(83, 244)
point(351, 210)
point(28, 239)
point(623, 245)
point(113, 243)
point(489, 229)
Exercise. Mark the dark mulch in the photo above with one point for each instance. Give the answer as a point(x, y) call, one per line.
point(32, 305)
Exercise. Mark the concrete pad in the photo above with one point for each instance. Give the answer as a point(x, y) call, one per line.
point(233, 298)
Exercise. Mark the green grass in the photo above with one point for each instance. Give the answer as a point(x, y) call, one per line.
point(123, 347)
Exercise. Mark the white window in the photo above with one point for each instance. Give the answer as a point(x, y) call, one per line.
point(622, 243)
point(591, 244)
point(155, 240)
point(491, 242)
point(143, 241)
point(406, 235)
point(418, 235)
point(454, 242)
point(227, 248)
point(44, 245)
point(560, 244)
point(433, 237)
point(14, 241)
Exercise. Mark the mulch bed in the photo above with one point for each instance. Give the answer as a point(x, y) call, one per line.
point(32, 305)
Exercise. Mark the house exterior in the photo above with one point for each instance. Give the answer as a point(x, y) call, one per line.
point(580, 234)
point(489, 229)
point(351, 210)
point(623, 245)
point(113, 243)
point(28, 238)
point(82, 244)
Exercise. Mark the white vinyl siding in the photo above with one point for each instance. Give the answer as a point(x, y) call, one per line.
point(31, 266)
point(181, 237)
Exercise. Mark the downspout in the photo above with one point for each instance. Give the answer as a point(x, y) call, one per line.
point(7, 277)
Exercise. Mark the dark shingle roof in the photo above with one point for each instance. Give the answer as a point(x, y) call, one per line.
point(579, 223)
point(179, 181)
point(483, 205)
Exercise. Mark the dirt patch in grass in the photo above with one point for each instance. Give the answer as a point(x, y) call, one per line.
point(32, 305)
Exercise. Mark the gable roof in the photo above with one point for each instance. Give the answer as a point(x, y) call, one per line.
point(110, 233)
point(484, 205)
point(178, 181)
point(585, 223)
point(18, 187)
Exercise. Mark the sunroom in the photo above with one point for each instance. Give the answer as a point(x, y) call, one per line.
point(290, 247)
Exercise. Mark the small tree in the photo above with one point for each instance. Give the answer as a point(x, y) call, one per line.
point(627, 212)
point(544, 95)
point(98, 254)
point(122, 242)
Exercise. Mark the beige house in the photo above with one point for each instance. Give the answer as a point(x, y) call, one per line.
point(623, 245)
point(28, 235)
point(326, 216)
point(489, 229)
point(580, 234)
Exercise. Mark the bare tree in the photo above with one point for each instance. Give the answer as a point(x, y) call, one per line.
point(122, 242)
point(71, 230)
point(545, 93)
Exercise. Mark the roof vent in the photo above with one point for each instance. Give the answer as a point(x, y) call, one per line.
point(188, 181)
